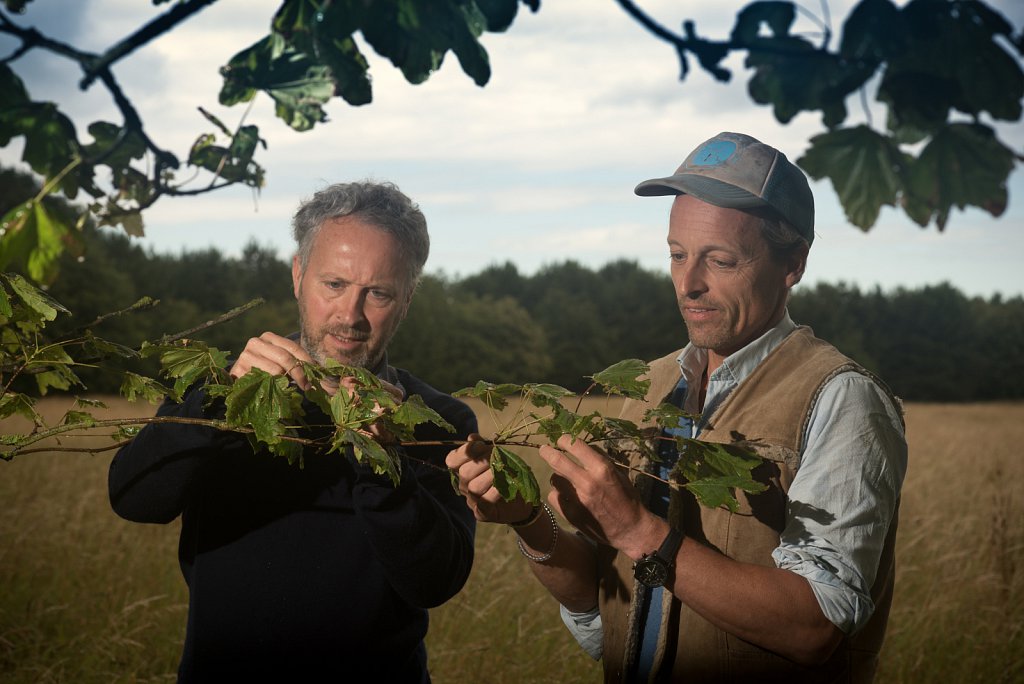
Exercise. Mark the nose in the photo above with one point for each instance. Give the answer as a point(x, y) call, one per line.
point(691, 281)
point(349, 307)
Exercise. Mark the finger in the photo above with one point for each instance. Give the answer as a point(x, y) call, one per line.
point(481, 484)
point(272, 354)
point(471, 471)
point(588, 457)
point(293, 348)
point(477, 447)
point(560, 463)
point(289, 354)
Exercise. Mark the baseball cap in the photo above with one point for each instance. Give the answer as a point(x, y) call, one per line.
point(737, 171)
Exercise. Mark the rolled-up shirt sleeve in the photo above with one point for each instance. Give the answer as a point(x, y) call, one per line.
point(844, 497)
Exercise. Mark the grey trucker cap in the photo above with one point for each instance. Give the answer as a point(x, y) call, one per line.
point(736, 171)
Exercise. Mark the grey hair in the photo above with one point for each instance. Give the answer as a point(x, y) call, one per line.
point(381, 204)
point(783, 239)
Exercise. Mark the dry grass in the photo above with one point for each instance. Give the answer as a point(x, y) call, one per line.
point(87, 597)
point(958, 610)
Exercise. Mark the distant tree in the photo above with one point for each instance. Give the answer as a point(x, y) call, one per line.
point(455, 338)
point(842, 315)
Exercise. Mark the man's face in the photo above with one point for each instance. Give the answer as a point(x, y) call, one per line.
point(352, 294)
point(729, 288)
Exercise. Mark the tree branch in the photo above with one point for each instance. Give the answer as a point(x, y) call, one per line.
point(165, 22)
point(227, 316)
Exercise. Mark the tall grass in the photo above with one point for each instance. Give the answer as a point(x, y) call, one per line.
point(958, 608)
point(87, 597)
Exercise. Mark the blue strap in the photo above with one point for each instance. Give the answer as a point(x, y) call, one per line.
point(651, 602)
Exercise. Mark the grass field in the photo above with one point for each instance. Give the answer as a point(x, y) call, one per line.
point(87, 597)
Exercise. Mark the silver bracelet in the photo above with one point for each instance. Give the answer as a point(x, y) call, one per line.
point(529, 520)
point(554, 540)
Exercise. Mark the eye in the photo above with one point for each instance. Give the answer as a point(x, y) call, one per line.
point(722, 263)
point(381, 295)
point(677, 257)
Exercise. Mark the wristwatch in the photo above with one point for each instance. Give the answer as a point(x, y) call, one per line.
point(652, 569)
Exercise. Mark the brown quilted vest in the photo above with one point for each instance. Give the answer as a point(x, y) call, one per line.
point(767, 412)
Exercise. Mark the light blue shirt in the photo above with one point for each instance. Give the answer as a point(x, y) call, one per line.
point(852, 466)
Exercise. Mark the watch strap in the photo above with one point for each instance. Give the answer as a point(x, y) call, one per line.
point(670, 547)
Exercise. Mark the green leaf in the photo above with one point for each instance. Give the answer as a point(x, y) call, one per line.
point(619, 428)
point(187, 362)
point(872, 31)
point(5, 305)
point(33, 240)
point(264, 402)
point(470, 53)
point(963, 165)
point(778, 16)
point(12, 403)
point(97, 347)
point(494, 396)
point(134, 386)
point(412, 412)
point(499, 14)
point(713, 471)
point(12, 94)
point(622, 378)
point(126, 432)
point(668, 415)
point(544, 394)
point(559, 423)
point(865, 169)
point(922, 82)
point(298, 85)
point(714, 492)
point(723, 459)
point(367, 450)
point(42, 304)
point(78, 417)
point(113, 145)
point(50, 142)
point(59, 376)
point(513, 477)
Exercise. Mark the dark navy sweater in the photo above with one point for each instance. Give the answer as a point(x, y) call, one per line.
point(321, 573)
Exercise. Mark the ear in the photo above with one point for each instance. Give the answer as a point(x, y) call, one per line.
point(296, 275)
point(408, 300)
point(796, 264)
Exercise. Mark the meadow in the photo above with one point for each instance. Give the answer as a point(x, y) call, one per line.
point(87, 597)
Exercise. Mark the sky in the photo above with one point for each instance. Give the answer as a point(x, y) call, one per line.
point(536, 168)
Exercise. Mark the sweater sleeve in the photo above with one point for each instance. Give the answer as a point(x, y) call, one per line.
point(150, 478)
point(421, 531)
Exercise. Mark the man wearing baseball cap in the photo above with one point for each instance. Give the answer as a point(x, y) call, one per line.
point(796, 585)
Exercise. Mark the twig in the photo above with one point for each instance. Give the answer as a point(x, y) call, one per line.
point(165, 22)
point(234, 313)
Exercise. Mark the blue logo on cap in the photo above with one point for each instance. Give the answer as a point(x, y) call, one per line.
point(714, 153)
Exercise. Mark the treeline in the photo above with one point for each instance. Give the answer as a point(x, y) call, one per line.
point(559, 325)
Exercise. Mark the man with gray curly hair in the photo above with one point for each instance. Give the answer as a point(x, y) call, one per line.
point(325, 572)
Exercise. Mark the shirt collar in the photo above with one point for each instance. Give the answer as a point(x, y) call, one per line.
point(736, 367)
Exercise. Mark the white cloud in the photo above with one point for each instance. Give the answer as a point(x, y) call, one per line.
point(536, 167)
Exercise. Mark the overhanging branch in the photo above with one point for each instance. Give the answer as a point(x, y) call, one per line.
point(165, 22)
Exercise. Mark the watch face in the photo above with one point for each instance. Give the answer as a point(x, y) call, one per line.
point(651, 571)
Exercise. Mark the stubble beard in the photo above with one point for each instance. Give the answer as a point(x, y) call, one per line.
point(709, 336)
point(312, 340)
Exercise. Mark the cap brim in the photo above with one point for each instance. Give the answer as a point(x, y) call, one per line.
point(703, 188)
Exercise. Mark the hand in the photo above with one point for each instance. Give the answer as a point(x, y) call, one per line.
point(471, 462)
point(275, 355)
point(595, 496)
